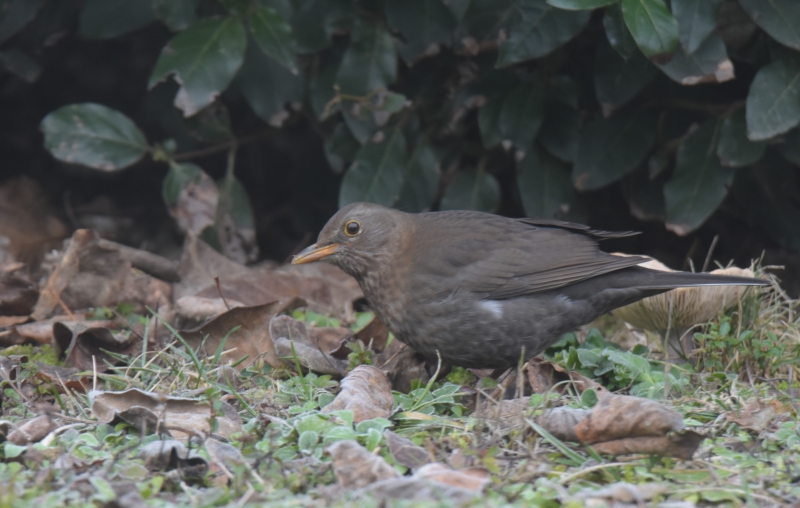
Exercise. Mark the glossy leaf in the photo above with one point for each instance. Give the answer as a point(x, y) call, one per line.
point(176, 14)
point(540, 29)
point(424, 24)
point(652, 25)
point(377, 173)
point(315, 21)
point(617, 32)
point(93, 135)
point(610, 148)
point(472, 189)
point(273, 35)
point(369, 63)
point(696, 20)
point(421, 180)
point(559, 132)
point(544, 185)
point(616, 80)
point(734, 149)
point(515, 116)
point(773, 102)
point(341, 148)
point(708, 64)
point(17, 14)
point(268, 86)
point(779, 18)
point(204, 59)
point(104, 19)
point(699, 183)
point(579, 5)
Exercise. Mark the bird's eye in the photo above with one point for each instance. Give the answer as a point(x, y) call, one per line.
point(352, 228)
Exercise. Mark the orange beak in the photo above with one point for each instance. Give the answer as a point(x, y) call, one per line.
point(314, 253)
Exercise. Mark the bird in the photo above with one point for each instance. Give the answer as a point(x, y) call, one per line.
point(479, 290)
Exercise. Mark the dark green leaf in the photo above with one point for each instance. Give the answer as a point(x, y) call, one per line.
point(514, 116)
point(617, 81)
point(360, 121)
point(790, 148)
point(421, 180)
point(424, 24)
point(322, 83)
point(652, 26)
point(236, 7)
point(696, 21)
point(178, 178)
point(779, 18)
point(204, 59)
point(377, 173)
point(315, 21)
point(708, 64)
point(559, 132)
point(234, 221)
point(369, 63)
point(472, 189)
point(20, 64)
point(268, 86)
point(541, 29)
point(617, 32)
point(578, 5)
point(211, 125)
point(17, 14)
point(93, 135)
point(483, 19)
point(773, 102)
point(609, 148)
point(341, 148)
point(544, 185)
point(734, 149)
point(176, 14)
point(274, 35)
point(699, 183)
point(104, 19)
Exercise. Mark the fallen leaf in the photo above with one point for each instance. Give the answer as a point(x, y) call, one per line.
point(680, 444)
point(309, 357)
point(402, 365)
point(327, 289)
point(474, 478)
point(623, 416)
point(252, 340)
point(418, 490)
point(11, 365)
point(32, 431)
point(561, 422)
point(9, 321)
point(621, 492)
point(62, 378)
point(171, 454)
point(179, 417)
point(406, 452)
point(80, 344)
point(543, 375)
point(755, 416)
point(17, 295)
point(366, 392)
point(41, 332)
point(355, 467)
point(197, 309)
point(326, 339)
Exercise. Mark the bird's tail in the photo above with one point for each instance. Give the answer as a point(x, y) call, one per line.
point(658, 280)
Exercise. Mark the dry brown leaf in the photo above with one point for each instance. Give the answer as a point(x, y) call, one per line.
point(402, 365)
point(755, 416)
point(543, 375)
point(621, 492)
point(326, 288)
point(180, 417)
point(310, 345)
point(419, 490)
point(473, 478)
point(9, 321)
point(366, 392)
point(61, 377)
point(18, 295)
point(170, 454)
point(561, 422)
point(623, 416)
point(309, 357)
point(32, 431)
point(41, 332)
point(197, 309)
point(406, 452)
point(196, 206)
point(251, 340)
point(79, 344)
point(11, 365)
point(355, 467)
point(681, 445)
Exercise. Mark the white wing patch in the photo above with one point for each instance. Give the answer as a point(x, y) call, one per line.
point(492, 306)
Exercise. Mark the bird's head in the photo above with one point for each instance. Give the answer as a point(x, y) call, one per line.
point(357, 238)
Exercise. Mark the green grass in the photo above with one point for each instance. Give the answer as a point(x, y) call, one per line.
point(748, 352)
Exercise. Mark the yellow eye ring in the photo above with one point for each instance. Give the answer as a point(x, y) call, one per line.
point(352, 228)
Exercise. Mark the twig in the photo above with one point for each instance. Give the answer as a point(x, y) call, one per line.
point(710, 252)
point(211, 150)
point(219, 290)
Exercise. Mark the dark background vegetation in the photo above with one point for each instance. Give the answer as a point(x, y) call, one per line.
point(444, 68)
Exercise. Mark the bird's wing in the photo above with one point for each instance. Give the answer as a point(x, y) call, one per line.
point(523, 258)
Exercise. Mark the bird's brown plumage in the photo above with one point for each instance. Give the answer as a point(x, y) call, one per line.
point(477, 288)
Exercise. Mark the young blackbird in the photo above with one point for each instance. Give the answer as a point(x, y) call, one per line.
point(477, 288)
